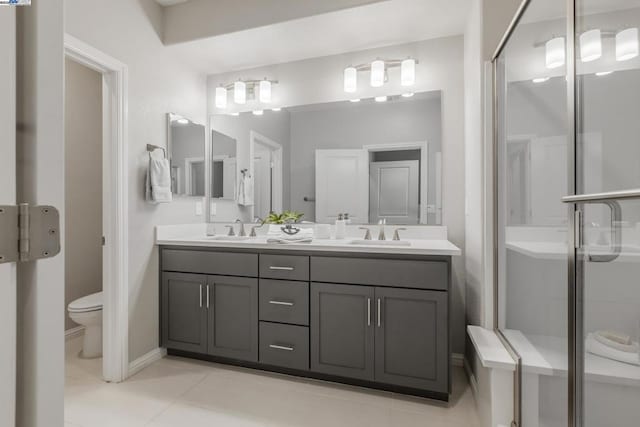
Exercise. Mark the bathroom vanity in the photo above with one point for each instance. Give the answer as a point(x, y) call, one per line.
point(375, 317)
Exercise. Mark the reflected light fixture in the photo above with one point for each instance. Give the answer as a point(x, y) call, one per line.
point(408, 95)
point(380, 98)
point(377, 73)
point(555, 53)
point(355, 100)
point(408, 72)
point(239, 92)
point(590, 45)
point(540, 79)
point(221, 97)
point(258, 112)
point(627, 44)
point(265, 91)
point(350, 79)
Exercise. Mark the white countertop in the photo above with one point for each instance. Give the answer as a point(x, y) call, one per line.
point(417, 247)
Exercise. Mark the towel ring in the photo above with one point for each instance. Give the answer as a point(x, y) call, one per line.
point(151, 148)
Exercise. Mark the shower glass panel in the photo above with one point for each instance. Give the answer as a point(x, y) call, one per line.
point(533, 161)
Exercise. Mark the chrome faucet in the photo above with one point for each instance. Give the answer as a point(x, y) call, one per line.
point(231, 231)
point(381, 235)
point(396, 235)
point(260, 223)
point(241, 233)
point(367, 235)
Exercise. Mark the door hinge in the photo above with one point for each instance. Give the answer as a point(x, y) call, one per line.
point(28, 233)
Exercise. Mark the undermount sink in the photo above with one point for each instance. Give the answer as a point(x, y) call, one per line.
point(228, 238)
point(381, 242)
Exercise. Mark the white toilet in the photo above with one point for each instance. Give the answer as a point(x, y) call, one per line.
point(87, 311)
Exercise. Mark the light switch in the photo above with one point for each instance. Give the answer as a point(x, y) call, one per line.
point(198, 208)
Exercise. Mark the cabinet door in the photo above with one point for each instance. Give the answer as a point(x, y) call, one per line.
point(342, 330)
point(412, 338)
point(184, 315)
point(233, 317)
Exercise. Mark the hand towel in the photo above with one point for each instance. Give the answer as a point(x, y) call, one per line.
point(596, 347)
point(158, 181)
point(275, 230)
point(289, 239)
point(245, 190)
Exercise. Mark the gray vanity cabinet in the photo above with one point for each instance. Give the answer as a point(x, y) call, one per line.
point(411, 338)
point(233, 317)
point(184, 319)
point(342, 333)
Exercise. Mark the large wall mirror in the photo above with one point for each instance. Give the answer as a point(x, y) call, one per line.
point(372, 160)
point(186, 142)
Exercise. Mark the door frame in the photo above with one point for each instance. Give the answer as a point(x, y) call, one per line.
point(277, 169)
point(115, 185)
point(423, 146)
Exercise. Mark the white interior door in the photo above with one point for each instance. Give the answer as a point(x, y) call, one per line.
point(342, 185)
point(8, 298)
point(394, 190)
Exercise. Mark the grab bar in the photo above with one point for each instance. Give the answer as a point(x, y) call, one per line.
point(599, 197)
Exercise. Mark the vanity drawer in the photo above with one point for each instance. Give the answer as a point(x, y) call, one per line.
point(284, 302)
point(381, 272)
point(284, 345)
point(288, 267)
point(210, 262)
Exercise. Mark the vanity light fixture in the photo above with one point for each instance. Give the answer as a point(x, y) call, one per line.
point(377, 73)
point(540, 79)
point(408, 95)
point(240, 92)
point(627, 44)
point(258, 112)
point(265, 91)
point(355, 100)
point(221, 97)
point(554, 53)
point(350, 79)
point(590, 45)
point(408, 72)
point(382, 98)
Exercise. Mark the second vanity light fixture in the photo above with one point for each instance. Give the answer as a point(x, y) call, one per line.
point(378, 73)
point(244, 90)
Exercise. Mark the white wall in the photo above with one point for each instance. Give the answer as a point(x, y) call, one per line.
point(319, 80)
point(158, 83)
point(83, 183)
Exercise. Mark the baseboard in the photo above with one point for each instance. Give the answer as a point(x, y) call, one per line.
point(72, 333)
point(457, 359)
point(145, 360)
point(472, 379)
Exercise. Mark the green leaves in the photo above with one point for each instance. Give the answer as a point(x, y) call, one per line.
point(284, 217)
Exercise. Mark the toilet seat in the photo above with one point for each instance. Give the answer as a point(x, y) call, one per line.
point(86, 304)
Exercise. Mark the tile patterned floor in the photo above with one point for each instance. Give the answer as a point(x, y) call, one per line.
point(175, 392)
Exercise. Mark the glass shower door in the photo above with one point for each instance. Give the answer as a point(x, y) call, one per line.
point(607, 178)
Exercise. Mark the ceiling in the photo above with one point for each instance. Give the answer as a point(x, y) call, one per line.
point(370, 26)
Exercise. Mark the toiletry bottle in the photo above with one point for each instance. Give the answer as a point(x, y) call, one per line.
point(341, 227)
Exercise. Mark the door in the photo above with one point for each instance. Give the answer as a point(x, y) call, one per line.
point(394, 191)
point(342, 334)
point(8, 291)
point(342, 185)
point(184, 312)
point(411, 338)
point(233, 317)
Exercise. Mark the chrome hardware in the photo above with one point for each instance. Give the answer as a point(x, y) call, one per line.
point(396, 235)
point(207, 296)
point(368, 311)
point(281, 347)
point(379, 310)
point(367, 235)
point(381, 235)
point(273, 267)
point(241, 233)
point(259, 221)
point(28, 233)
point(200, 295)
point(599, 197)
point(275, 302)
point(231, 230)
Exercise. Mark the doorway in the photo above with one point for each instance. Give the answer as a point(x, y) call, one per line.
point(266, 170)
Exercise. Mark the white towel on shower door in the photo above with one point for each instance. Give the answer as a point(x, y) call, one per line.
point(245, 190)
point(158, 182)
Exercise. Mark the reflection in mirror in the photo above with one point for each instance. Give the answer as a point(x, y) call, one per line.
point(223, 166)
point(186, 147)
point(372, 160)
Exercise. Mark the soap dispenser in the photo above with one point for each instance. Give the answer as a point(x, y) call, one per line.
point(341, 227)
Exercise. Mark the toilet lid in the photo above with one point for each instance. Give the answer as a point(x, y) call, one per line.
point(91, 302)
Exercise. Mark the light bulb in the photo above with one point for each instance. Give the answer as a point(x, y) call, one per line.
point(627, 44)
point(258, 112)
point(239, 92)
point(350, 79)
point(554, 53)
point(408, 72)
point(590, 45)
point(221, 97)
point(380, 98)
point(265, 91)
point(377, 73)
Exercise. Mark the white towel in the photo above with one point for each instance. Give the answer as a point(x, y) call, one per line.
point(275, 230)
point(594, 346)
point(245, 190)
point(289, 239)
point(158, 182)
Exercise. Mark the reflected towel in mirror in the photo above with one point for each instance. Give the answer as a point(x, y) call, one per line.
point(245, 190)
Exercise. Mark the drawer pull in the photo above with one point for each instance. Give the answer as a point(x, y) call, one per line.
point(281, 347)
point(275, 302)
point(200, 295)
point(273, 267)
